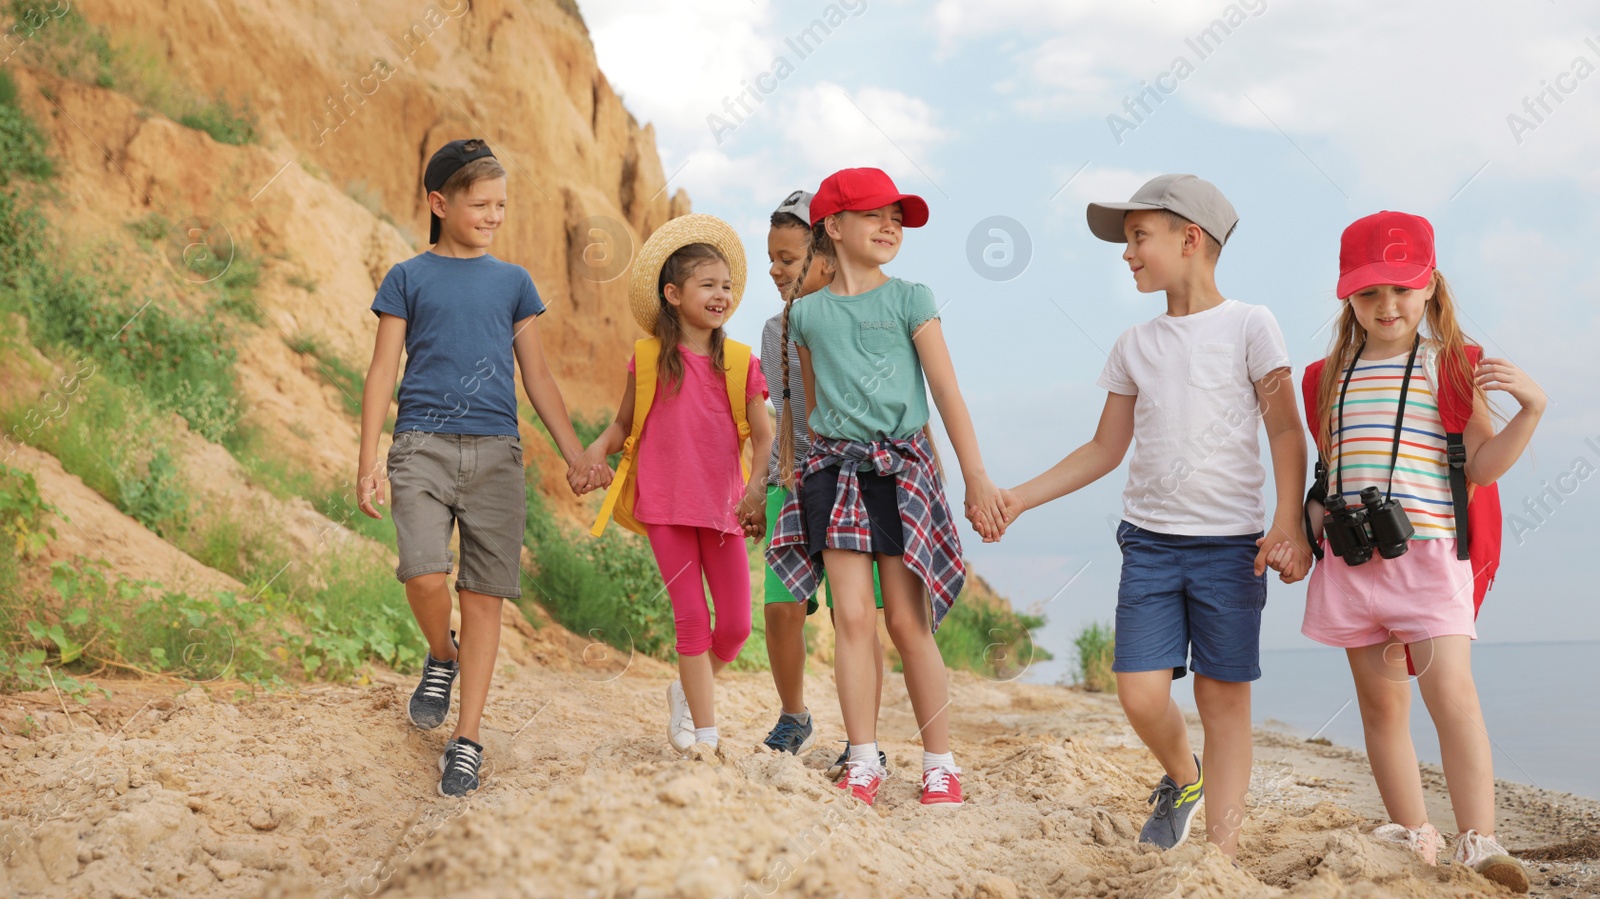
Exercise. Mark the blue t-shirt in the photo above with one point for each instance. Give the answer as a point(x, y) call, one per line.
point(460, 320)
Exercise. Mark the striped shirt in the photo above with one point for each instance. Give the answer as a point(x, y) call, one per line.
point(1361, 451)
point(771, 367)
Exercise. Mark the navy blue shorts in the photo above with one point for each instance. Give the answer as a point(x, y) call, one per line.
point(1183, 595)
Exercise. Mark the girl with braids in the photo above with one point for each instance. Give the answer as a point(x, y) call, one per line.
point(1388, 403)
point(692, 400)
point(870, 489)
point(801, 264)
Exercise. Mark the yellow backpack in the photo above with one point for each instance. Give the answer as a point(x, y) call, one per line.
point(646, 353)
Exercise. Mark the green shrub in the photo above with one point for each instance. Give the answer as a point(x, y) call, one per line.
point(608, 588)
point(355, 618)
point(334, 370)
point(1095, 645)
point(220, 119)
point(57, 37)
point(992, 640)
point(22, 144)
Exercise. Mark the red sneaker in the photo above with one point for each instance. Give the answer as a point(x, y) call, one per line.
point(941, 786)
point(862, 781)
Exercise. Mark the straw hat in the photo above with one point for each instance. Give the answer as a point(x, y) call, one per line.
point(668, 239)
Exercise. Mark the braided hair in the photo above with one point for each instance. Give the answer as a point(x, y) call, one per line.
point(818, 244)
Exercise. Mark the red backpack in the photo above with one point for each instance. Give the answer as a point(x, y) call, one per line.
point(1477, 506)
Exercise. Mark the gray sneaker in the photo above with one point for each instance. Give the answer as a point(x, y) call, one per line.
point(1175, 806)
point(430, 701)
point(458, 767)
point(841, 764)
point(791, 736)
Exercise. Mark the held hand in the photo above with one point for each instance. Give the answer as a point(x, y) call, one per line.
point(1501, 374)
point(1288, 555)
point(984, 509)
point(600, 477)
point(369, 486)
point(751, 512)
point(1011, 505)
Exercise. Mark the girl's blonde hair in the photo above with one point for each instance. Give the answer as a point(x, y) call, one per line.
point(1449, 346)
point(677, 270)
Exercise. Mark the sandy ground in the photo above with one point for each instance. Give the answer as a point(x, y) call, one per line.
point(173, 789)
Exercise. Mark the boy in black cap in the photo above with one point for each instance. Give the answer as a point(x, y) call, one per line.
point(456, 460)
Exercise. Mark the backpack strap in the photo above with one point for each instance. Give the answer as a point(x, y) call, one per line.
point(1455, 411)
point(737, 357)
point(1309, 384)
point(620, 495)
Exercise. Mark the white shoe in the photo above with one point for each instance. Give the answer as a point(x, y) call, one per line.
point(1424, 841)
point(680, 727)
point(1490, 859)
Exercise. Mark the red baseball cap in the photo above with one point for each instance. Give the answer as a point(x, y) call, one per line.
point(858, 190)
point(1385, 248)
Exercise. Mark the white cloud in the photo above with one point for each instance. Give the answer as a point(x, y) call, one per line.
point(676, 66)
point(1406, 101)
point(834, 128)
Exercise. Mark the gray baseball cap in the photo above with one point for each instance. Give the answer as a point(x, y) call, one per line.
point(798, 204)
point(1197, 200)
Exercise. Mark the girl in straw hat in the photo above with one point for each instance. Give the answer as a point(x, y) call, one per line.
point(870, 489)
point(693, 398)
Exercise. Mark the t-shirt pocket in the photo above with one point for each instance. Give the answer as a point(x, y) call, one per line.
point(878, 338)
point(1211, 365)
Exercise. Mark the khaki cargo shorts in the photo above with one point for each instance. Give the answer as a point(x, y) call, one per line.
point(475, 483)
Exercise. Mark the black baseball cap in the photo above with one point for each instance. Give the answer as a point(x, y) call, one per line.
point(446, 161)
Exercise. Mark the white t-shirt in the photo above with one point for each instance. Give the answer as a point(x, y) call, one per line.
point(1196, 467)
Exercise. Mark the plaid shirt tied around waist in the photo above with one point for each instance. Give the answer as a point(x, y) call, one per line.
point(932, 547)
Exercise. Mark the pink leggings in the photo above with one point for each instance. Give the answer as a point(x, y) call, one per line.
point(684, 554)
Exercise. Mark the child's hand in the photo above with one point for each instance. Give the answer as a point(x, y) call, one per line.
point(1011, 505)
point(984, 509)
point(368, 486)
point(1500, 374)
point(600, 476)
point(1290, 557)
point(752, 514)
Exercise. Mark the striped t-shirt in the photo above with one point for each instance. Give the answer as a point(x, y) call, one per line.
point(1361, 450)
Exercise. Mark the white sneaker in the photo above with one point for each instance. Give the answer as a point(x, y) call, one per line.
point(680, 726)
point(1486, 856)
point(1424, 841)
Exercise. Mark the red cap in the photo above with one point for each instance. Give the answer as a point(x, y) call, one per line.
point(858, 190)
point(1385, 248)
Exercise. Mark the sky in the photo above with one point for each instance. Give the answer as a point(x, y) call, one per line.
point(1008, 116)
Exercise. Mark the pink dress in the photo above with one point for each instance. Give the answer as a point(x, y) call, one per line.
point(688, 462)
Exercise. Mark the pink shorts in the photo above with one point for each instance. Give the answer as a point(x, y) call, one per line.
point(1423, 594)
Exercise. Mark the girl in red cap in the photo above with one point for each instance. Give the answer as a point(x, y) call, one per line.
point(870, 489)
point(1392, 407)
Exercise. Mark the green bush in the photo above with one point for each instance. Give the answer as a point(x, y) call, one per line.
point(218, 118)
point(334, 370)
point(1095, 645)
point(131, 625)
point(22, 144)
point(994, 641)
point(355, 618)
point(608, 588)
point(57, 37)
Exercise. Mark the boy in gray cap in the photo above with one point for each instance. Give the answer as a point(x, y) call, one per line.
point(1190, 389)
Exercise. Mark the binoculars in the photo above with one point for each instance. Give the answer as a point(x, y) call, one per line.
point(1377, 523)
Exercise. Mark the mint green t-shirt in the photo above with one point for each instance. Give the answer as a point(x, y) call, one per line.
point(869, 383)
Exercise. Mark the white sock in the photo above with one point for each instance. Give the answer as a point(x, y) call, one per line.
point(706, 735)
point(802, 717)
point(934, 759)
point(865, 754)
